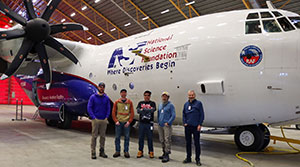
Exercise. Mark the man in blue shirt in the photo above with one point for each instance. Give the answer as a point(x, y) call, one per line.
point(193, 117)
point(166, 115)
point(99, 110)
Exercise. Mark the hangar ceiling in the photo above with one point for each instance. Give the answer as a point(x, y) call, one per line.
point(110, 20)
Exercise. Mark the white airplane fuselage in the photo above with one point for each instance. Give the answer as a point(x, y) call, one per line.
point(202, 51)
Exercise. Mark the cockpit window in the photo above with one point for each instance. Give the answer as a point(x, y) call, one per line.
point(277, 14)
point(285, 24)
point(253, 27)
point(266, 15)
point(253, 16)
point(271, 26)
point(295, 21)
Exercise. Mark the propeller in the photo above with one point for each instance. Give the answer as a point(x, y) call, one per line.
point(36, 33)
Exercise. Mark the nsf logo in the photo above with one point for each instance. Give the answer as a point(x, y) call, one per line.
point(251, 56)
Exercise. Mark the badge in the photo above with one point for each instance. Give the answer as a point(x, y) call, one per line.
point(126, 108)
point(162, 111)
point(151, 128)
point(190, 107)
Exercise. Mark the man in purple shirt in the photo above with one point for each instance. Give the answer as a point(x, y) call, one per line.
point(99, 109)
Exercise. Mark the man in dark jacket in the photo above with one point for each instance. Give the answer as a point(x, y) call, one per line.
point(193, 117)
point(99, 110)
point(146, 110)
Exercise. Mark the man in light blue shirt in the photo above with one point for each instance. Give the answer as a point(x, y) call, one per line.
point(166, 115)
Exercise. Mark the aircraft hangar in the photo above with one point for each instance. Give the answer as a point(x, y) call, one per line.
point(25, 138)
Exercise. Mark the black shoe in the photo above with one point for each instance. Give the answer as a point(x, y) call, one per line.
point(93, 155)
point(103, 155)
point(198, 163)
point(162, 156)
point(187, 160)
point(165, 159)
point(116, 154)
point(126, 155)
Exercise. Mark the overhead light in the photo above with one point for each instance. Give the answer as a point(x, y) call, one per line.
point(190, 3)
point(165, 11)
point(128, 24)
point(73, 14)
point(83, 8)
point(113, 29)
point(99, 34)
point(63, 20)
point(33, 1)
point(96, 1)
point(89, 38)
point(145, 18)
point(20, 12)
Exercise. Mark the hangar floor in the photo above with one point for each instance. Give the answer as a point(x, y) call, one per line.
point(31, 143)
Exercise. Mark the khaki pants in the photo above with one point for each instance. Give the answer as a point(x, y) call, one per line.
point(165, 134)
point(98, 128)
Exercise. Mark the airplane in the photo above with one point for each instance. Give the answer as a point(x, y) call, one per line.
point(243, 65)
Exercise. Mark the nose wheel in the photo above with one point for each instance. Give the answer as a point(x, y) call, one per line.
point(252, 137)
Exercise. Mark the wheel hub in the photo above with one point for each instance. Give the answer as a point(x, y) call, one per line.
point(37, 29)
point(247, 138)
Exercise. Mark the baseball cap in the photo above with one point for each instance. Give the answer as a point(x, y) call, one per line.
point(165, 93)
point(101, 84)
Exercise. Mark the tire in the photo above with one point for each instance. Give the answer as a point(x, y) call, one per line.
point(297, 126)
point(249, 138)
point(51, 123)
point(266, 135)
point(66, 120)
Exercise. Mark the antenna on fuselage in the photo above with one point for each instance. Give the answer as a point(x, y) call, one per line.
point(270, 5)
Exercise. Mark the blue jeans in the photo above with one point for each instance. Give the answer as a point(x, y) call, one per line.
point(119, 129)
point(145, 129)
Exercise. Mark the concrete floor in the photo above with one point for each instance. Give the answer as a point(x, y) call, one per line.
point(33, 144)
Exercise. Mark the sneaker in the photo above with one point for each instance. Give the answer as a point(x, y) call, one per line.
point(93, 155)
point(165, 158)
point(126, 155)
point(198, 163)
point(116, 154)
point(187, 160)
point(140, 154)
point(151, 154)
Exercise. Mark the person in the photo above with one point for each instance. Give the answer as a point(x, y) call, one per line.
point(122, 115)
point(192, 116)
point(166, 115)
point(146, 110)
point(99, 110)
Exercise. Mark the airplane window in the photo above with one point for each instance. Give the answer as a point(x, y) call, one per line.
point(266, 15)
point(253, 27)
point(271, 26)
point(253, 16)
point(277, 14)
point(295, 21)
point(285, 24)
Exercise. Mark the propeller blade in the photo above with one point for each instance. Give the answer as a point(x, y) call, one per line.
point(12, 15)
point(51, 6)
point(53, 43)
point(41, 51)
point(20, 57)
point(66, 27)
point(12, 34)
point(30, 10)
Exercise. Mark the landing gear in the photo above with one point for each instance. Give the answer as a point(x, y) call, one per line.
point(297, 126)
point(51, 122)
point(252, 137)
point(65, 118)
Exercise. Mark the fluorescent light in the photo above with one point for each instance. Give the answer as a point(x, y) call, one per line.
point(145, 18)
point(20, 12)
point(99, 34)
point(63, 20)
point(83, 8)
point(190, 3)
point(165, 11)
point(128, 24)
point(33, 1)
point(113, 29)
point(73, 14)
point(89, 38)
point(96, 1)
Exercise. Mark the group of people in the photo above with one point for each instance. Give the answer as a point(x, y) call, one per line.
point(99, 110)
